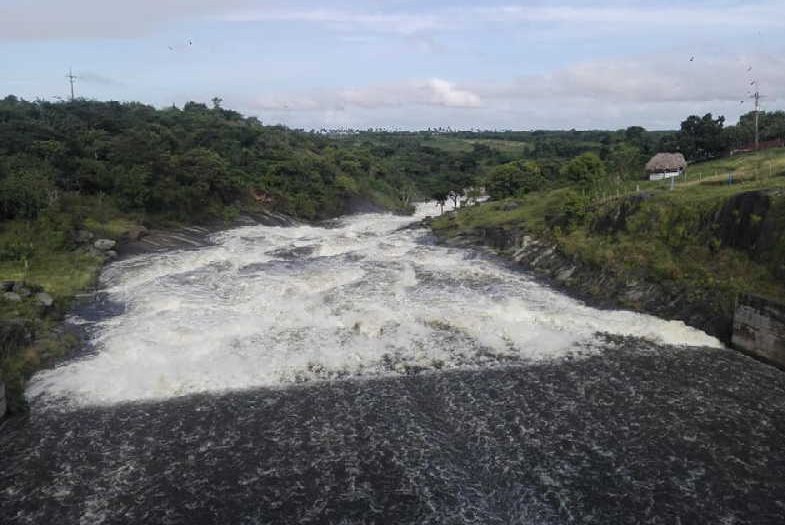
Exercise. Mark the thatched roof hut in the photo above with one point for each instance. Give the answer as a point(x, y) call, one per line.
point(666, 163)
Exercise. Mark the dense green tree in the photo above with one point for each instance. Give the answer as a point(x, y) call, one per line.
point(585, 170)
point(514, 179)
point(24, 194)
point(700, 138)
point(625, 162)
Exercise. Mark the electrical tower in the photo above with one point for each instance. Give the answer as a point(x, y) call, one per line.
point(71, 79)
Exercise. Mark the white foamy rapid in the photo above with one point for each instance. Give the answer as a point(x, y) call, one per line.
point(267, 306)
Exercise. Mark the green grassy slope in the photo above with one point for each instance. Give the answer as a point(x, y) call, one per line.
point(662, 235)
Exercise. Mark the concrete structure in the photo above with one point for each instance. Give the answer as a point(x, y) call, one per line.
point(665, 166)
point(759, 328)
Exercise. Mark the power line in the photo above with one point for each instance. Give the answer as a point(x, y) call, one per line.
point(71, 79)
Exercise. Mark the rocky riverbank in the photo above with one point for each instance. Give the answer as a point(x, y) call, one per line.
point(686, 255)
point(32, 334)
point(597, 286)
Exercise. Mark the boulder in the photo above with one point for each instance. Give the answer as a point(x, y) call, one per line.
point(83, 236)
point(104, 244)
point(111, 254)
point(12, 296)
point(44, 299)
point(22, 290)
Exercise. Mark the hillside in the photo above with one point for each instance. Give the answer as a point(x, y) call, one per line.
point(700, 245)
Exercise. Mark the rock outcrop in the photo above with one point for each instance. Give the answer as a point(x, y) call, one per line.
point(600, 287)
point(759, 328)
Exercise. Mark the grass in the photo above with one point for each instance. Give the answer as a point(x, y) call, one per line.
point(42, 254)
point(112, 228)
point(530, 211)
point(668, 238)
point(463, 145)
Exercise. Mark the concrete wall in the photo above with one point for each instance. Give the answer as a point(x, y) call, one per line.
point(759, 328)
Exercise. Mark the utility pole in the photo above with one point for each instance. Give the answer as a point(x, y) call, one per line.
point(757, 96)
point(71, 78)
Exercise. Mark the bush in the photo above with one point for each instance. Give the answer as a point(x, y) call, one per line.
point(514, 179)
point(585, 170)
point(25, 194)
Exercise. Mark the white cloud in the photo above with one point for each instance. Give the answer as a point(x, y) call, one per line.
point(431, 92)
point(763, 13)
point(599, 17)
point(652, 79)
point(656, 91)
point(86, 19)
point(402, 23)
point(89, 19)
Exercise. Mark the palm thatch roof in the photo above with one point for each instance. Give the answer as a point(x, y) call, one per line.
point(663, 162)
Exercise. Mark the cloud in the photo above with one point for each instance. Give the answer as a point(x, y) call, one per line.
point(599, 17)
point(431, 92)
point(91, 19)
point(764, 13)
point(656, 91)
point(401, 23)
point(651, 79)
point(97, 78)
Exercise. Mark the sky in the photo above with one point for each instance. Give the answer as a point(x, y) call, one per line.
point(405, 64)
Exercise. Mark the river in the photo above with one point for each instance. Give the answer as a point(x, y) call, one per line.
point(356, 372)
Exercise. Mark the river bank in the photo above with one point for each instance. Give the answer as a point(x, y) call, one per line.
point(598, 287)
point(356, 371)
point(679, 257)
point(33, 335)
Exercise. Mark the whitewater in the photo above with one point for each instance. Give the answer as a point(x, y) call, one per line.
point(364, 296)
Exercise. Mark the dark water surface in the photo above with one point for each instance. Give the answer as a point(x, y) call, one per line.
point(636, 434)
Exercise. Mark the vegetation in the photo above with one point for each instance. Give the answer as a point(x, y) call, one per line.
point(689, 235)
point(78, 170)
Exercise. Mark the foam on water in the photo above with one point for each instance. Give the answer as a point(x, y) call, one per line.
point(267, 306)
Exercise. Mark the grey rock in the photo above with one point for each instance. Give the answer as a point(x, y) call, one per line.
point(565, 274)
point(44, 299)
point(12, 296)
point(111, 254)
point(104, 244)
point(83, 236)
point(635, 295)
point(22, 290)
point(511, 205)
point(6, 286)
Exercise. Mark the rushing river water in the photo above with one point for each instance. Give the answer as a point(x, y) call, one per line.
point(358, 373)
